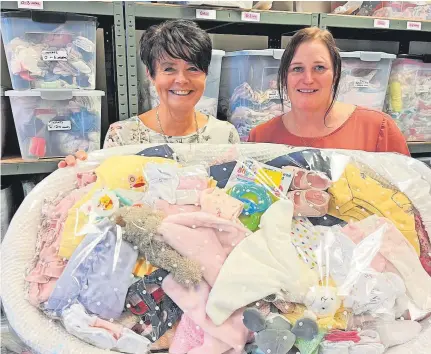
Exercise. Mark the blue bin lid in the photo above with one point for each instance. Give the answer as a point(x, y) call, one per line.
point(275, 53)
point(367, 56)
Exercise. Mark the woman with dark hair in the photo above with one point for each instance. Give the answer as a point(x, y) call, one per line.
point(309, 75)
point(177, 55)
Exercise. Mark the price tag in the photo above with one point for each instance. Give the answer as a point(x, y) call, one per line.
point(361, 83)
point(273, 95)
point(206, 14)
point(54, 55)
point(380, 23)
point(35, 5)
point(250, 16)
point(416, 26)
point(59, 125)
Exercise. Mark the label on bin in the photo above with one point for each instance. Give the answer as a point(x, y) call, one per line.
point(206, 14)
point(273, 95)
point(250, 16)
point(416, 26)
point(54, 55)
point(380, 23)
point(361, 83)
point(423, 88)
point(59, 125)
point(36, 5)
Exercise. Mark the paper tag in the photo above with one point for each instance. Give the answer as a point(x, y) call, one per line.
point(59, 125)
point(35, 5)
point(273, 95)
point(54, 55)
point(423, 88)
point(380, 23)
point(206, 14)
point(416, 26)
point(361, 83)
point(250, 16)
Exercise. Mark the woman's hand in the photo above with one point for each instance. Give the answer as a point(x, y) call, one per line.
point(70, 160)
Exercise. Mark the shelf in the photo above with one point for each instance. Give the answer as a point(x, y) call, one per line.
point(419, 147)
point(163, 11)
point(83, 7)
point(367, 22)
point(17, 166)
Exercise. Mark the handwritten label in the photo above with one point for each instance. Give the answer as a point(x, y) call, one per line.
point(416, 26)
point(379, 23)
point(54, 55)
point(273, 95)
point(250, 16)
point(35, 5)
point(206, 14)
point(59, 125)
point(423, 88)
point(361, 83)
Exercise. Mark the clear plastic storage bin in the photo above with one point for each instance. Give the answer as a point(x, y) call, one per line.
point(208, 102)
point(248, 88)
point(50, 50)
point(364, 78)
point(53, 123)
point(408, 100)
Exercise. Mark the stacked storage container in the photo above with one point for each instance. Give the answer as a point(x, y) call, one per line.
point(52, 64)
point(248, 88)
point(408, 100)
point(364, 78)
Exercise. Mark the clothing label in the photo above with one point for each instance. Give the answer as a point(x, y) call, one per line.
point(35, 5)
point(54, 55)
point(273, 95)
point(59, 125)
point(423, 88)
point(380, 23)
point(416, 26)
point(361, 83)
point(206, 14)
point(250, 16)
point(249, 170)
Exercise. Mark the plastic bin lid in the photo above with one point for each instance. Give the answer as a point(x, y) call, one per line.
point(367, 56)
point(55, 95)
point(426, 58)
point(218, 52)
point(50, 17)
point(275, 53)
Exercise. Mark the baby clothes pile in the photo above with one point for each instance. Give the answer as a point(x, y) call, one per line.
point(305, 253)
point(408, 99)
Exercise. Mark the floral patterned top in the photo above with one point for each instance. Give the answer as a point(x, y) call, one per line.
point(134, 131)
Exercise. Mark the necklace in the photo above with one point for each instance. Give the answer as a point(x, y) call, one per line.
point(166, 136)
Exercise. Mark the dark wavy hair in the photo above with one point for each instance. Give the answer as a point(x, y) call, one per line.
point(304, 35)
point(178, 39)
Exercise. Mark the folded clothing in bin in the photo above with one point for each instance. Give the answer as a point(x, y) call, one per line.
point(50, 50)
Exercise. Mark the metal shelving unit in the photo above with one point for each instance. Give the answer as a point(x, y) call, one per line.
point(17, 166)
point(273, 24)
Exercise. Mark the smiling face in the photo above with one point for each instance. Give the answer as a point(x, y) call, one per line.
point(310, 76)
point(179, 84)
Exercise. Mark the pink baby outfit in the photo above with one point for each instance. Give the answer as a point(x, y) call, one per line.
point(48, 266)
point(204, 238)
point(424, 244)
point(397, 250)
point(208, 240)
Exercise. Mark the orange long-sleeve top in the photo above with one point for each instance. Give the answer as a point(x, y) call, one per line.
point(366, 130)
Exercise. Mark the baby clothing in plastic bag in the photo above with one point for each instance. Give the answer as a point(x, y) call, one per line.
point(98, 274)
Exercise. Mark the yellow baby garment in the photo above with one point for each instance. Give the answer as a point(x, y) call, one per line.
point(356, 195)
point(117, 172)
